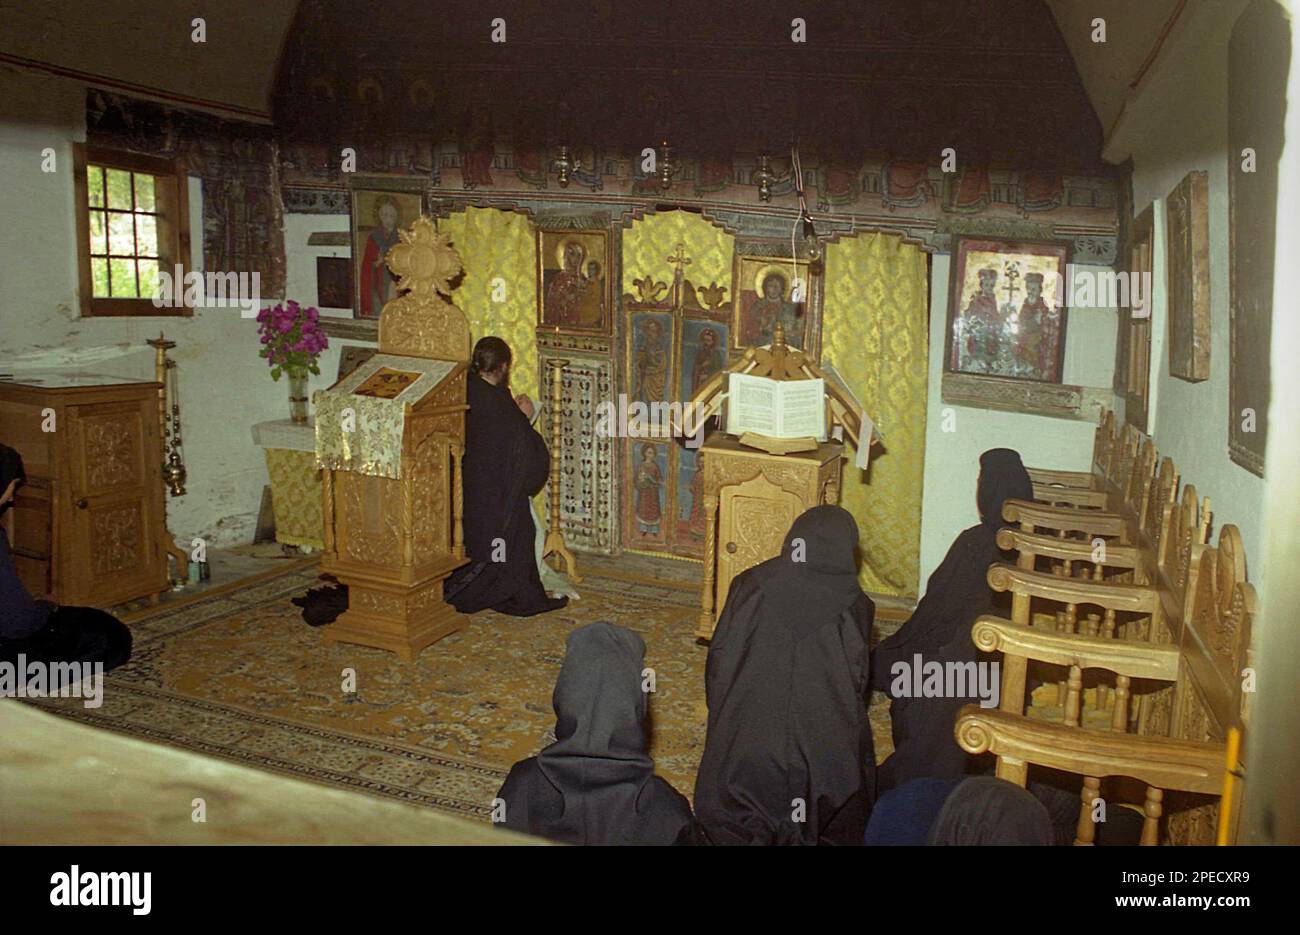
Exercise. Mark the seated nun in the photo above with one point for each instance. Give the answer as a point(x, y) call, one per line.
point(788, 758)
point(975, 810)
point(596, 784)
point(39, 630)
point(506, 462)
point(939, 631)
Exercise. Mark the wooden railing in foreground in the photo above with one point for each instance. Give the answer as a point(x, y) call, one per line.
point(64, 783)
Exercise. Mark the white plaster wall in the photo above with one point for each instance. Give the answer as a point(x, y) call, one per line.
point(952, 457)
point(1176, 122)
point(224, 385)
point(1190, 420)
point(300, 280)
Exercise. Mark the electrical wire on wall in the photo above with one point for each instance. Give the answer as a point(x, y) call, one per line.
point(804, 220)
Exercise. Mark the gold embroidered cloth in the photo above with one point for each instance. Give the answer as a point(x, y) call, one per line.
point(296, 498)
point(364, 433)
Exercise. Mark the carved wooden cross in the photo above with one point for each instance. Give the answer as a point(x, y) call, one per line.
point(678, 259)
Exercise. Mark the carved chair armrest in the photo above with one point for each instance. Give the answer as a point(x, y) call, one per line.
point(1134, 598)
point(1184, 765)
point(1123, 657)
point(1077, 480)
point(1071, 550)
point(1071, 496)
point(1093, 522)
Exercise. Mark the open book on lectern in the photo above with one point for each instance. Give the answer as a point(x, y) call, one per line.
point(776, 408)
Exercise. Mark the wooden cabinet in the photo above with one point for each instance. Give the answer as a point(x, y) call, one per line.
point(751, 498)
point(89, 525)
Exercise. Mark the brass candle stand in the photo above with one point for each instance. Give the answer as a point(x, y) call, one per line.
point(554, 536)
point(169, 436)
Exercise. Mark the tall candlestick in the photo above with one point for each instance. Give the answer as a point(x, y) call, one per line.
point(173, 468)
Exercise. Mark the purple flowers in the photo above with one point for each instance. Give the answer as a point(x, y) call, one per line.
point(291, 338)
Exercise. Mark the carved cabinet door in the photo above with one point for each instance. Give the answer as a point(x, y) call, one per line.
point(110, 544)
point(753, 519)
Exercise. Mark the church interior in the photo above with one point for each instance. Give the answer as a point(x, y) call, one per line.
point(1005, 284)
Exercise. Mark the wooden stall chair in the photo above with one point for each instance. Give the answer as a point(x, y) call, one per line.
point(1105, 442)
point(1194, 742)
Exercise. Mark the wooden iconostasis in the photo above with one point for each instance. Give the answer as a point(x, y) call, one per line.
point(600, 291)
point(678, 332)
point(690, 297)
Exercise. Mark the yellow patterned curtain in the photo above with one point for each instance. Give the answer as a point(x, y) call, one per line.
point(875, 332)
point(492, 244)
point(651, 239)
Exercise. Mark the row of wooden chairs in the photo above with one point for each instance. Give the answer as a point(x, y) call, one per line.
point(1115, 581)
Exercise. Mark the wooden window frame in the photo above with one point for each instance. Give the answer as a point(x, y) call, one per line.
point(173, 236)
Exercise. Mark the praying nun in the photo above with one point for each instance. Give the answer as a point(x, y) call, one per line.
point(788, 758)
point(596, 784)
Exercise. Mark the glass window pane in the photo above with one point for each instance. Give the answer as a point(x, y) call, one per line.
point(148, 278)
point(119, 189)
point(123, 278)
point(98, 234)
point(144, 198)
point(95, 185)
point(99, 273)
point(121, 236)
point(146, 234)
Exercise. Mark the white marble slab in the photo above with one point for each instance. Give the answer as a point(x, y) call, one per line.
point(286, 434)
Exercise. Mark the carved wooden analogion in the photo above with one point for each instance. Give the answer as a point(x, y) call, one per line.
point(751, 498)
point(752, 495)
point(393, 511)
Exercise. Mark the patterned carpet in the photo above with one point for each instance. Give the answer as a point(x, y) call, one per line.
point(237, 674)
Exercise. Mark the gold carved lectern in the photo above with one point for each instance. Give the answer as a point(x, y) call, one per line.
point(389, 439)
point(751, 498)
point(755, 486)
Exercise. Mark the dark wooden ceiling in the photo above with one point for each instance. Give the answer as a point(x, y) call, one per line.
point(900, 78)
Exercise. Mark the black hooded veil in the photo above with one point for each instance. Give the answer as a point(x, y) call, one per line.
point(786, 683)
point(38, 630)
point(939, 630)
point(596, 784)
point(20, 616)
point(983, 810)
point(506, 462)
point(961, 811)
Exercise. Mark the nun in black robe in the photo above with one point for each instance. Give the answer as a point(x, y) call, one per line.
point(788, 758)
point(939, 631)
point(506, 462)
point(39, 630)
point(596, 784)
point(973, 810)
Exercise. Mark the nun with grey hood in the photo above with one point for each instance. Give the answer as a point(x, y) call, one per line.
point(596, 784)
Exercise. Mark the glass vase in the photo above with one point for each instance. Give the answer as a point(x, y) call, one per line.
point(298, 395)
